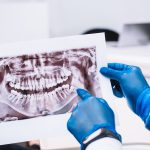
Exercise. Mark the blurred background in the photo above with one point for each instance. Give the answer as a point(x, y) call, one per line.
point(35, 19)
point(127, 28)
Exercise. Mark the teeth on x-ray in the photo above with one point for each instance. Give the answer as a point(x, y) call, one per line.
point(42, 84)
point(31, 83)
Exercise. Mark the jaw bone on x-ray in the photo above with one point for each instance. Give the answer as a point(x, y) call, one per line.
point(44, 84)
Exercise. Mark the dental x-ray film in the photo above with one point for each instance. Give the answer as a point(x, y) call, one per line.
point(45, 83)
point(40, 78)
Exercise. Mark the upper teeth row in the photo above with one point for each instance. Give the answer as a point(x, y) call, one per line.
point(34, 84)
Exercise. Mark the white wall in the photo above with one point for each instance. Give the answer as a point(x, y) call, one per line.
point(70, 17)
point(23, 20)
point(34, 19)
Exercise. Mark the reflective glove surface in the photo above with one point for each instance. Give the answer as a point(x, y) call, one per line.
point(90, 114)
point(130, 80)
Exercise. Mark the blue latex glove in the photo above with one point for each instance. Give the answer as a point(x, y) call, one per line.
point(90, 115)
point(132, 83)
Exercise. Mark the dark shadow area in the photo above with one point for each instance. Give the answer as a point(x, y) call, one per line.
point(110, 35)
point(18, 147)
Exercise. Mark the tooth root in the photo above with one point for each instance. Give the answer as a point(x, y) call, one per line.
point(66, 72)
point(50, 96)
point(13, 79)
point(54, 83)
point(9, 78)
point(58, 91)
point(14, 92)
point(23, 100)
point(65, 91)
point(59, 80)
point(42, 70)
point(17, 86)
point(68, 90)
point(51, 102)
point(18, 100)
point(22, 88)
point(22, 85)
point(46, 96)
point(26, 99)
point(55, 96)
point(11, 84)
point(47, 101)
point(63, 95)
point(66, 86)
point(40, 84)
point(33, 106)
point(29, 84)
point(65, 78)
point(46, 82)
point(33, 85)
point(26, 85)
point(72, 89)
point(51, 83)
point(53, 79)
point(26, 88)
point(11, 96)
point(20, 95)
point(62, 74)
point(14, 99)
point(36, 85)
point(41, 102)
point(43, 82)
point(52, 99)
point(29, 97)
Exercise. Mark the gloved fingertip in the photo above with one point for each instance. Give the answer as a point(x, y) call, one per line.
point(83, 93)
point(103, 70)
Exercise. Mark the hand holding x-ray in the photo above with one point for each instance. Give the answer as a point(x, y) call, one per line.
point(131, 80)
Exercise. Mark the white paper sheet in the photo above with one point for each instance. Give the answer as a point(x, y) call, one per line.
point(52, 126)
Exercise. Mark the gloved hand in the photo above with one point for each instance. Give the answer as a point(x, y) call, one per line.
point(90, 114)
point(129, 81)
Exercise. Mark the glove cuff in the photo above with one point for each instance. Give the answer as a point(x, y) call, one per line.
point(147, 122)
point(143, 107)
point(103, 134)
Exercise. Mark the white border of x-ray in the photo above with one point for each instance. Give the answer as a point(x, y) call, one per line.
point(50, 126)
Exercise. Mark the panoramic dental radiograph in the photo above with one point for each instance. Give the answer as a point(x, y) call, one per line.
point(45, 84)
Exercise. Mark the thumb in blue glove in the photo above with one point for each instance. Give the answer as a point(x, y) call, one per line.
point(129, 78)
point(90, 114)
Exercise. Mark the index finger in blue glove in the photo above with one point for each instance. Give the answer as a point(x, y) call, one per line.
point(118, 66)
point(110, 73)
point(83, 94)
